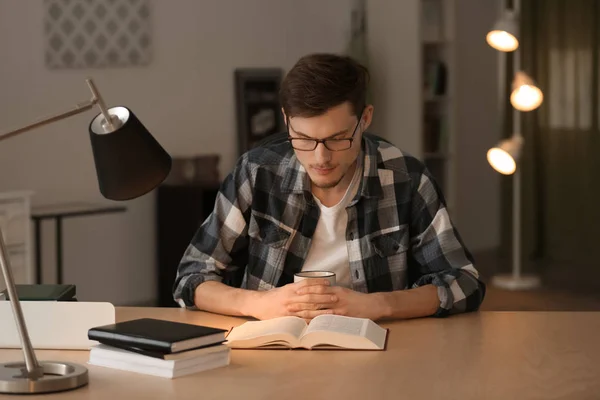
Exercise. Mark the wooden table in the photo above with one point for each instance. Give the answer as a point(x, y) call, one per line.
point(486, 355)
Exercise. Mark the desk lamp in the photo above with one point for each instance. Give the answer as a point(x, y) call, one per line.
point(129, 163)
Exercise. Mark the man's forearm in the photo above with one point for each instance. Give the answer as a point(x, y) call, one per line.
point(419, 302)
point(219, 298)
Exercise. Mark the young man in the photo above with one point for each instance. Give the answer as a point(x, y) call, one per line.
point(329, 198)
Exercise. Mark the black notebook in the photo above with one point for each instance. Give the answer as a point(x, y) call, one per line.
point(157, 335)
point(42, 292)
point(182, 355)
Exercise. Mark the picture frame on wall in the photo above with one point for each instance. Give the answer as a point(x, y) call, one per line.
point(97, 34)
point(257, 102)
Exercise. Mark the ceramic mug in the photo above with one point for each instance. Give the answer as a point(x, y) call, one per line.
point(330, 276)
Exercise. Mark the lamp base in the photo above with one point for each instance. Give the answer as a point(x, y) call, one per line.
point(511, 282)
point(58, 377)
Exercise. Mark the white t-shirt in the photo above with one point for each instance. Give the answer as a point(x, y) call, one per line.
point(328, 250)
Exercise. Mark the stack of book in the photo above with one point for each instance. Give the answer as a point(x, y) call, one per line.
point(157, 347)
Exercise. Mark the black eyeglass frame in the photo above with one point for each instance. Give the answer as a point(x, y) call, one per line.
point(324, 141)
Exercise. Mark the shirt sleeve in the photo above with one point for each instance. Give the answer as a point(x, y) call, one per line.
point(438, 254)
point(218, 250)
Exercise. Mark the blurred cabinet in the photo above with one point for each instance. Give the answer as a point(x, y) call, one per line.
point(435, 91)
point(181, 209)
point(438, 105)
point(15, 213)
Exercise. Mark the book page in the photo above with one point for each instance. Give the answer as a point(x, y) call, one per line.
point(344, 332)
point(293, 326)
point(338, 323)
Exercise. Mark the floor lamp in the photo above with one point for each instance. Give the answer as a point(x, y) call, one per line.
point(129, 163)
point(505, 157)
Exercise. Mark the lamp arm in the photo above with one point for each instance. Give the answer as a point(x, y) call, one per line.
point(34, 370)
point(79, 108)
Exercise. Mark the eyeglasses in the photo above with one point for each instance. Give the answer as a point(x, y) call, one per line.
point(305, 144)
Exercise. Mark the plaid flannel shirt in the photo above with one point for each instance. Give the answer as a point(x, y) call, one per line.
point(399, 234)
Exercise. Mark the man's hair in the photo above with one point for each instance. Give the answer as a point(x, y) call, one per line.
point(318, 82)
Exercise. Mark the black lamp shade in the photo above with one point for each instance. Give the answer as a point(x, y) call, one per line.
point(129, 161)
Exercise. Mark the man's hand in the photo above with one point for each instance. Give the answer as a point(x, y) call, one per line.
point(286, 301)
point(350, 303)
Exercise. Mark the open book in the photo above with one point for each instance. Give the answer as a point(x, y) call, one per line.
point(324, 331)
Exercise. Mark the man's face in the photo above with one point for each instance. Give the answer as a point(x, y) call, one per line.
point(325, 167)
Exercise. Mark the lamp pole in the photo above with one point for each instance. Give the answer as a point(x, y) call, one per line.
point(516, 280)
point(516, 131)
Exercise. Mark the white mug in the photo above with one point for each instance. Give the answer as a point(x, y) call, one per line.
point(330, 276)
